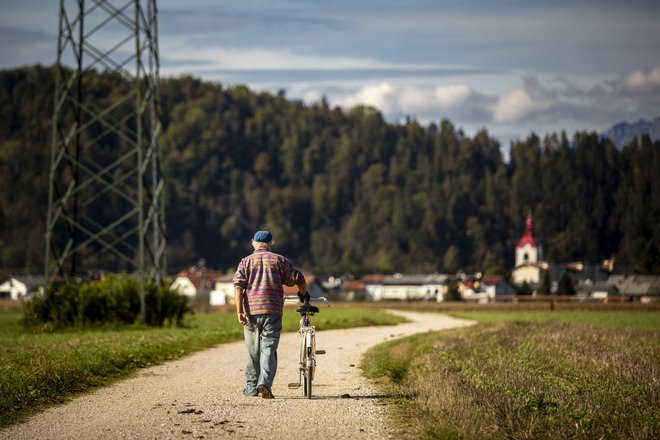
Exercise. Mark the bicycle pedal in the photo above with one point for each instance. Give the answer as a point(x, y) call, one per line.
point(294, 385)
point(320, 351)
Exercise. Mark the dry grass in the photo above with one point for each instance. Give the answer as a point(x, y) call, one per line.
point(531, 380)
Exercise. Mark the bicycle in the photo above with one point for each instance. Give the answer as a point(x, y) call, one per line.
point(308, 351)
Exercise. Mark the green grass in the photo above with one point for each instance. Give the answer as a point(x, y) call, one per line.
point(618, 319)
point(527, 377)
point(38, 369)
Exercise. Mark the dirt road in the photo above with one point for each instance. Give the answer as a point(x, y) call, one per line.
point(200, 396)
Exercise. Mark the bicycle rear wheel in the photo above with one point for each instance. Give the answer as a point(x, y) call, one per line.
point(308, 382)
point(308, 366)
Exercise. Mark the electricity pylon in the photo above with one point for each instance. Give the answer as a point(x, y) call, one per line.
point(105, 205)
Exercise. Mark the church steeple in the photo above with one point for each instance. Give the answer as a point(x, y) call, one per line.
point(527, 250)
point(528, 235)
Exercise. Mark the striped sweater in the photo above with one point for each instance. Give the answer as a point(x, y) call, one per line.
point(262, 275)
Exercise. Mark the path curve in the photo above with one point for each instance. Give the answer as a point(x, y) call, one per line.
point(200, 396)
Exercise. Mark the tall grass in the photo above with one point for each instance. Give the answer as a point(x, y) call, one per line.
point(620, 319)
point(37, 369)
point(545, 379)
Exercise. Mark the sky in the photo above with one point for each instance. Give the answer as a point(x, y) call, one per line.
point(510, 66)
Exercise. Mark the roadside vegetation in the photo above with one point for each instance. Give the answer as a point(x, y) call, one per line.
point(112, 301)
point(619, 319)
point(39, 368)
point(544, 375)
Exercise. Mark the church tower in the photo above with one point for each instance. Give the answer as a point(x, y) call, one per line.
point(527, 250)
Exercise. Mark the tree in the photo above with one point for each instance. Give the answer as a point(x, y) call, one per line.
point(524, 289)
point(565, 285)
point(544, 287)
point(342, 188)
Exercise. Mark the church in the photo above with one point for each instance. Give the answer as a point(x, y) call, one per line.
point(529, 265)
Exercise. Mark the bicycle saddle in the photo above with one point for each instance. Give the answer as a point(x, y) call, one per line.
point(307, 309)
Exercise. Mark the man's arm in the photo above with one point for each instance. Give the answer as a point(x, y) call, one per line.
point(238, 300)
point(302, 286)
point(302, 289)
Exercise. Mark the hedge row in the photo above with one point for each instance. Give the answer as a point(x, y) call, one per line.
point(114, 300)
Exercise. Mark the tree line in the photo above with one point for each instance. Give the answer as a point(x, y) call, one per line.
point(343, 190)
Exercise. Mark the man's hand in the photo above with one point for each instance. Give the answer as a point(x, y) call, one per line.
point(243, 318)
point(303, 296)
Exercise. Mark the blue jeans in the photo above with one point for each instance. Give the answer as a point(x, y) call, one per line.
point(262, 335)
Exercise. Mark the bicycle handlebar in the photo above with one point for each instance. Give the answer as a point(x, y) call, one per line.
point(296, 299)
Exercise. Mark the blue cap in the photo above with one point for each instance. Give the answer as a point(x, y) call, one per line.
point(263, 237)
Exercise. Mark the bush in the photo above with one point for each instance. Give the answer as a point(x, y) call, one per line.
point(115, 300)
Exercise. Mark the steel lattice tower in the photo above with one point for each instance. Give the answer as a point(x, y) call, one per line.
point(105, 207)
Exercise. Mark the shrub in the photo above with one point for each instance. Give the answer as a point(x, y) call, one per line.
point(115, 300)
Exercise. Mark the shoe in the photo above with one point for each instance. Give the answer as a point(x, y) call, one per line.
point(253, 394)
point(265, 392)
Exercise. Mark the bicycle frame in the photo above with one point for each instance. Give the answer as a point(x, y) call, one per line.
point(307, 346)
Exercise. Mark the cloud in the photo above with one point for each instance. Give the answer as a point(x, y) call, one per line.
point(423, 100)
point(515, 106)
point(643, 82)
point(539, 103)
point(379, 95)
point(178, 60)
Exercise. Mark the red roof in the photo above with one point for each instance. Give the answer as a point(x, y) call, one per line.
point(373, 279)
point(293, 290)
point(528, 235)
point(195, 276)
point(491, 279)
point(355, 285)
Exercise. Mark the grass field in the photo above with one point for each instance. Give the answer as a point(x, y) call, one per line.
point(38, 369)
point(618, 319)
point(528, 375)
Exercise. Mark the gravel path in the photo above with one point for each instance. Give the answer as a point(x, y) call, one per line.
point(200, 396)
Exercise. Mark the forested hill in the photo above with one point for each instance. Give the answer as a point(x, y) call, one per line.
point(343, 190)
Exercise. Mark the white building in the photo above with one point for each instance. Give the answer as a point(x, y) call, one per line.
point(19, 288)
point(399, 287)
point(224, 291)
point(529, 264)
point(193, 281)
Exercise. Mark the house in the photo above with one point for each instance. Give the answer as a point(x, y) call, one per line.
point(21, 287)
point(497, 286)
point(224, 290)
point(373, 285)
point(400, 287)
point(314, 288)
point(354, 290)
point(594, 290)
point(194, 281)
point(643, 288)
point(471, 289)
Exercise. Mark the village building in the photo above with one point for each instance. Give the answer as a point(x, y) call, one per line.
point(590, 280)
point(194, 281)
point(497, 286)
point(21, 287)
point(642, 288)
point(484, 288)
point(314, 287)
point(529, 265)
point(400, 287)
point(223, 293)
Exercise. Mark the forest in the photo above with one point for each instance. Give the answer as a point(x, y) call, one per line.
point(344, 190)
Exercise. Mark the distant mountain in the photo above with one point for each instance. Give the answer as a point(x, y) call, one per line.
point(624, 132)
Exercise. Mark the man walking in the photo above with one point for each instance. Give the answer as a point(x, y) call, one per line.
point(259, 299)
